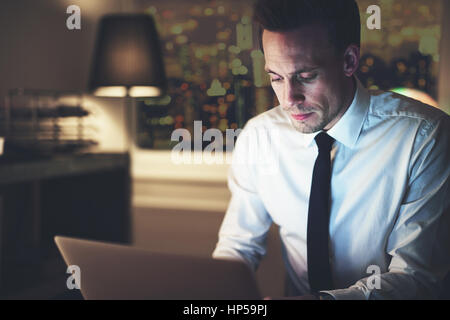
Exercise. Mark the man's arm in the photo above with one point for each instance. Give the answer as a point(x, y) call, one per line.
point(246, 223)
point(420, 240)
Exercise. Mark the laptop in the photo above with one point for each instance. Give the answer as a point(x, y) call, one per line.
point(111, 271)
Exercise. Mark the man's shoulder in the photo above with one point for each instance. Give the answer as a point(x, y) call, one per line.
point(386, 105)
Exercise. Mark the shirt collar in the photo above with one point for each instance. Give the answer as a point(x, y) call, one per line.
point(348, 128)
point(307, 138)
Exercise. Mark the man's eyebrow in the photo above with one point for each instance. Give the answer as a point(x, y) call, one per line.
point(270, 71)
point(306, 69)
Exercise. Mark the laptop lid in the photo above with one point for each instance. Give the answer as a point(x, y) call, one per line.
point(111, 271)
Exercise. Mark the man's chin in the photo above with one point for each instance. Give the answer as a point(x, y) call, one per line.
point(307, 128)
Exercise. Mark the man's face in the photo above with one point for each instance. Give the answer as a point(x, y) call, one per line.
point(307, 76)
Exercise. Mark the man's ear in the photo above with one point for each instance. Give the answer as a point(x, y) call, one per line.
point(351, 60)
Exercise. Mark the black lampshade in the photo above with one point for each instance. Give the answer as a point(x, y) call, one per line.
point(127, 57)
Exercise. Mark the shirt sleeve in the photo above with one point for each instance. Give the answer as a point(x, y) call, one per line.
point(419, 243)
point(244, 228)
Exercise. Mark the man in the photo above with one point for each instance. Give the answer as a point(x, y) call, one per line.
point(362, 179)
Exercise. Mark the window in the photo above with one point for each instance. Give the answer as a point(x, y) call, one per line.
point(216, 73)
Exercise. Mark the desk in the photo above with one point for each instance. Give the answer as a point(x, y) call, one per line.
point(84, 196)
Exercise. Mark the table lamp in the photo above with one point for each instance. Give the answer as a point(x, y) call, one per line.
point(127, 62)
point(127, 58)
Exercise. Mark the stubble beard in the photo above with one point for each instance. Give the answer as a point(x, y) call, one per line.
point(305, 127)
point(317, 123)
point(322, 119)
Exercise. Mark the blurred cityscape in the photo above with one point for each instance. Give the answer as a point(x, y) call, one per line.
point(216, 71)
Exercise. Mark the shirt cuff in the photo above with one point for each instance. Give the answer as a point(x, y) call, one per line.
point(352, 293)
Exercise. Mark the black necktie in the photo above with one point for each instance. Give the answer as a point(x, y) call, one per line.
point(319, 271)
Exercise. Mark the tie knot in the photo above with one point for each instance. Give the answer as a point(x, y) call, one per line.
point(324, 142)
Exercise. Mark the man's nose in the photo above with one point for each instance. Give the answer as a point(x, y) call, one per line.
point(293, 94)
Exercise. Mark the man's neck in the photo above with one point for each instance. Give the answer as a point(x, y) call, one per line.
point(347, 101)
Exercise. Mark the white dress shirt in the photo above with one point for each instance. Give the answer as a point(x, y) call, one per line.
point(389, 194)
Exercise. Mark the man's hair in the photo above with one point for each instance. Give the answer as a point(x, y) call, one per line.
point(340, 17)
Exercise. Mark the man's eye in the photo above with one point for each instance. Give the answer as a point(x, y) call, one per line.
point(275, 79)
point(306, 76)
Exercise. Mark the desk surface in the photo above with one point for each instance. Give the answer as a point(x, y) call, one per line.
point(22, 170)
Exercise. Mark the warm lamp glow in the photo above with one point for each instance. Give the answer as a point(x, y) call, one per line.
point(144, 91)
point(115, 91)
point(417, 95)
point(121, 91)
